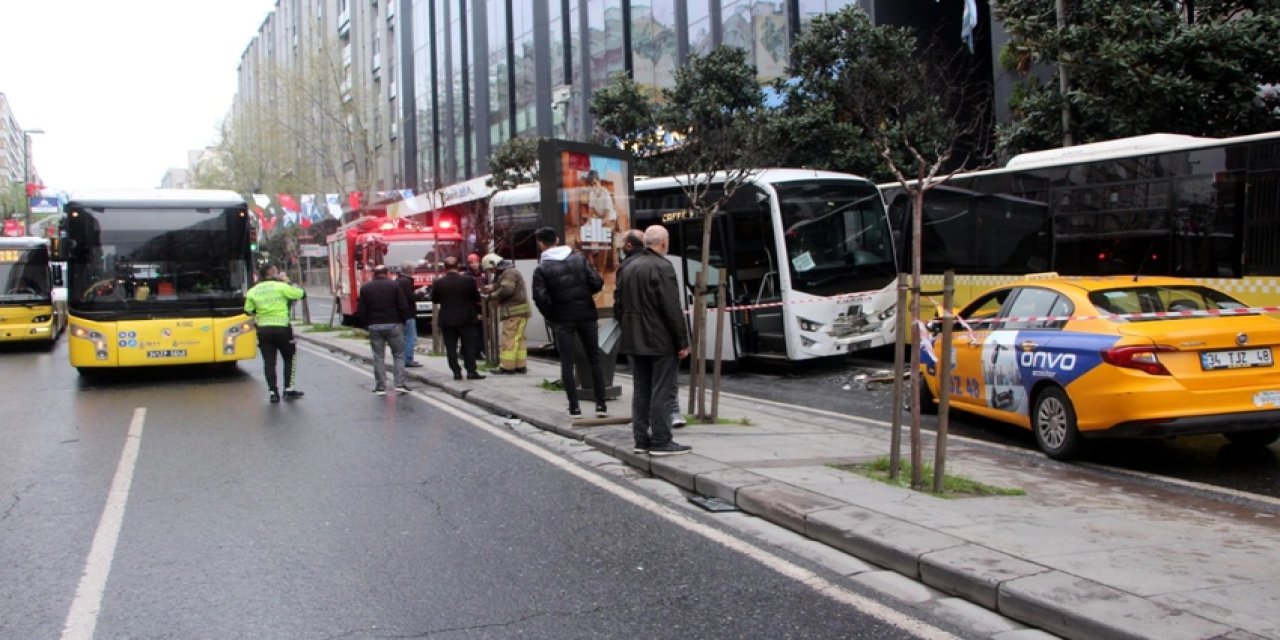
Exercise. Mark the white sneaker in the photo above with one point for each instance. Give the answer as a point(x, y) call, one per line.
point(677, 420)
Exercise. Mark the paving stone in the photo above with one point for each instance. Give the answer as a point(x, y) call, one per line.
point(684, 470)
point(896, 585)
point(724, 484)
point(877, 538)
point(1077, 608)
point(973, 571)
point(784, 504)
point(975, 618)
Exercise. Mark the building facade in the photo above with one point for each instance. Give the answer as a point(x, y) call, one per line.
point(444, 82)
point(320, 82)
point(15, 149)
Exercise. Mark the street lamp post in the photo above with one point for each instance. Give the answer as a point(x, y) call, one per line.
point(26, 177)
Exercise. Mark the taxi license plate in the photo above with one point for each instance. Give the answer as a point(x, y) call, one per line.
point(1235, 359)
point(168, 353)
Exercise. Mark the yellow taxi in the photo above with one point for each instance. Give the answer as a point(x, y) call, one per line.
point(1115, 356)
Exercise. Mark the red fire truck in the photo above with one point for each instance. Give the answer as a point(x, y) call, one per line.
point(362, 244)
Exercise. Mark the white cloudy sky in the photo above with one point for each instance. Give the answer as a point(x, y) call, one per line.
point(122, 88)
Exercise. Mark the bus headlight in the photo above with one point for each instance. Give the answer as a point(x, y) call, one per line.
point(230, 335)
point(98, 340)
point(889, 312)
point(808, 325)
point(41, 319)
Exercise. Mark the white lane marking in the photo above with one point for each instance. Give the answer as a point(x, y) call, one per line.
point(808, 578)
point(83, 617)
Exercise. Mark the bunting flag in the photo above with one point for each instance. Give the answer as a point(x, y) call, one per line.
point(968, 22)
point(355, 199)
point(288, 203)
point(335, 208)
point(310, 213)
point(262, 200)
point(269, 220)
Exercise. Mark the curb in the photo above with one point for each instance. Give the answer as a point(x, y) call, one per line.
point(1033, 594)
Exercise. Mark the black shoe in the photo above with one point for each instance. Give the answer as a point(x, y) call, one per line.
point(574, 411)
point(457, 376)
point(293, 394)
point(503, 372)
point(602, 410)
point(402, 389)
point(672, 448)
point(475, 376)
point(413, 365)
point(642, 448)
point(274, 397)
point(521, 370)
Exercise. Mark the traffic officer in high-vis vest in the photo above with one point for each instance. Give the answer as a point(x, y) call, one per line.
point(268, 302)
point(511, 296)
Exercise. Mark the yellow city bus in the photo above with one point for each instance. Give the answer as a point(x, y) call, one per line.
point(157, 278)
point(28, 312)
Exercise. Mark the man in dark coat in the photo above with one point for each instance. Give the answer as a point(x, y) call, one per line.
point(458, 299)
point(564, 284)
point(655, 337)
point(632, 246)
point(383, 310)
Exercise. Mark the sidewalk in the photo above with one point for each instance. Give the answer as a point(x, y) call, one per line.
point(1075, 556)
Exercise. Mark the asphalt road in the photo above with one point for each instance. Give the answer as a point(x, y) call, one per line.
point(345, 515)
point(841, 385)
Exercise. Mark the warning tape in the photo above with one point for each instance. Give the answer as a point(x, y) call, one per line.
point(1145, 315)
point(837, 299)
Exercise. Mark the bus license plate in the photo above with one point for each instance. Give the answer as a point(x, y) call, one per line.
point(1235, 359)
point(168, 353)
point(424, 306)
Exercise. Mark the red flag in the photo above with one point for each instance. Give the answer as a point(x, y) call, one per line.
point(262, 217)
point(288, 203)
point(33, 189)
point(354, 199)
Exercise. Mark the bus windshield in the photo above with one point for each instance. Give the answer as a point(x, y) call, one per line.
point(837, 237)
point(24, 275)
point(161, 258)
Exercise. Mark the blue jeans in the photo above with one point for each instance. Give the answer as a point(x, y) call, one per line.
point(410, 339)
point(380, 337)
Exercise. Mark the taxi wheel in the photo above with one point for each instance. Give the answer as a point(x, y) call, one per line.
point(1053, 418)
point(1260, 438)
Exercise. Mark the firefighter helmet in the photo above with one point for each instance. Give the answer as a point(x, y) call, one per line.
point(491, 261)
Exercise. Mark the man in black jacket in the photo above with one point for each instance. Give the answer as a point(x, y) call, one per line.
point(563, 286)
point(654, 335)
point(458, 299)
point(383, 310)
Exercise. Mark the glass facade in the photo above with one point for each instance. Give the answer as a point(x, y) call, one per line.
point(459, 124)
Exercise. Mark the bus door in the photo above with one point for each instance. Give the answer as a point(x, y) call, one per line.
point(754, 283)
point(686, 241)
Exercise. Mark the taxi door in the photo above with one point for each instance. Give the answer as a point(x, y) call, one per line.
point(981, 317)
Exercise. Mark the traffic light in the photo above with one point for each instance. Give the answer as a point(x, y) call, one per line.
point(253, 238)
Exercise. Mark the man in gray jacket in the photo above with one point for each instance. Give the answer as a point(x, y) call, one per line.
point(655, 337)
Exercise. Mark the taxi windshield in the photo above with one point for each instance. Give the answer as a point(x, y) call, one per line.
point(1161, 299)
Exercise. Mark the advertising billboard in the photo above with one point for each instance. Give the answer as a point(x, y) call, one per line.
point(586, 198)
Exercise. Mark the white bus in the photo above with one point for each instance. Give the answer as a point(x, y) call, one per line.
point(809, 257)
